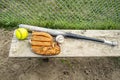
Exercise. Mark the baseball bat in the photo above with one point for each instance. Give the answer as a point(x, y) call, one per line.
point(65, 34)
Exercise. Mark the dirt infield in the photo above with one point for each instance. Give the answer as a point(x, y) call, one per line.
point(56, 69)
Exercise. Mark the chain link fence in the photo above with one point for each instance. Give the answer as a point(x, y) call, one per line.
point(72, 14)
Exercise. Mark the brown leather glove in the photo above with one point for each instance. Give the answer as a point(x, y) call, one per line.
point(43, 43)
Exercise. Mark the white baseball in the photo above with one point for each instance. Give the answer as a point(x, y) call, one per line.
point(60, 38)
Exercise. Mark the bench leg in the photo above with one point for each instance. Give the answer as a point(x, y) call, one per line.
point(45, 59)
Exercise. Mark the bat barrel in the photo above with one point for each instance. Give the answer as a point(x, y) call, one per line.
point(35, 28)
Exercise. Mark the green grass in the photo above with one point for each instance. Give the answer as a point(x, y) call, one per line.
point(61, 14)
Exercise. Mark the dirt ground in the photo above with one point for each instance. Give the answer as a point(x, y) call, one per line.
point(99, 68)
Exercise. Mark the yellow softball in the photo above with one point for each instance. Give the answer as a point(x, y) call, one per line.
point(21, 33)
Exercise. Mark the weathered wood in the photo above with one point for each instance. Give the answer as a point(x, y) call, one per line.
point(72, 47)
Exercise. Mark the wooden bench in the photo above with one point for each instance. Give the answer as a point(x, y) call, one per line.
point(73, 47)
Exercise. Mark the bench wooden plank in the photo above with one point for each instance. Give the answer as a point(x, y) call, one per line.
point(72, 47)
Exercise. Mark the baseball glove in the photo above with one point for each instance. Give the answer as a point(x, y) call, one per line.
point(43, 43)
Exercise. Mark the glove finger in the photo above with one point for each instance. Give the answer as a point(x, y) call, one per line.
point(41, 38)
point(42, 34)
point(38, 43)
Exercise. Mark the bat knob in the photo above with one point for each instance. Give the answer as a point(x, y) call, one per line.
point(111, 43)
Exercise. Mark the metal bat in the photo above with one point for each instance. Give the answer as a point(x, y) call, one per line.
point(65, 34)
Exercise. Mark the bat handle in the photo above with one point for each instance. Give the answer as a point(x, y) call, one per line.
point(76, 36)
